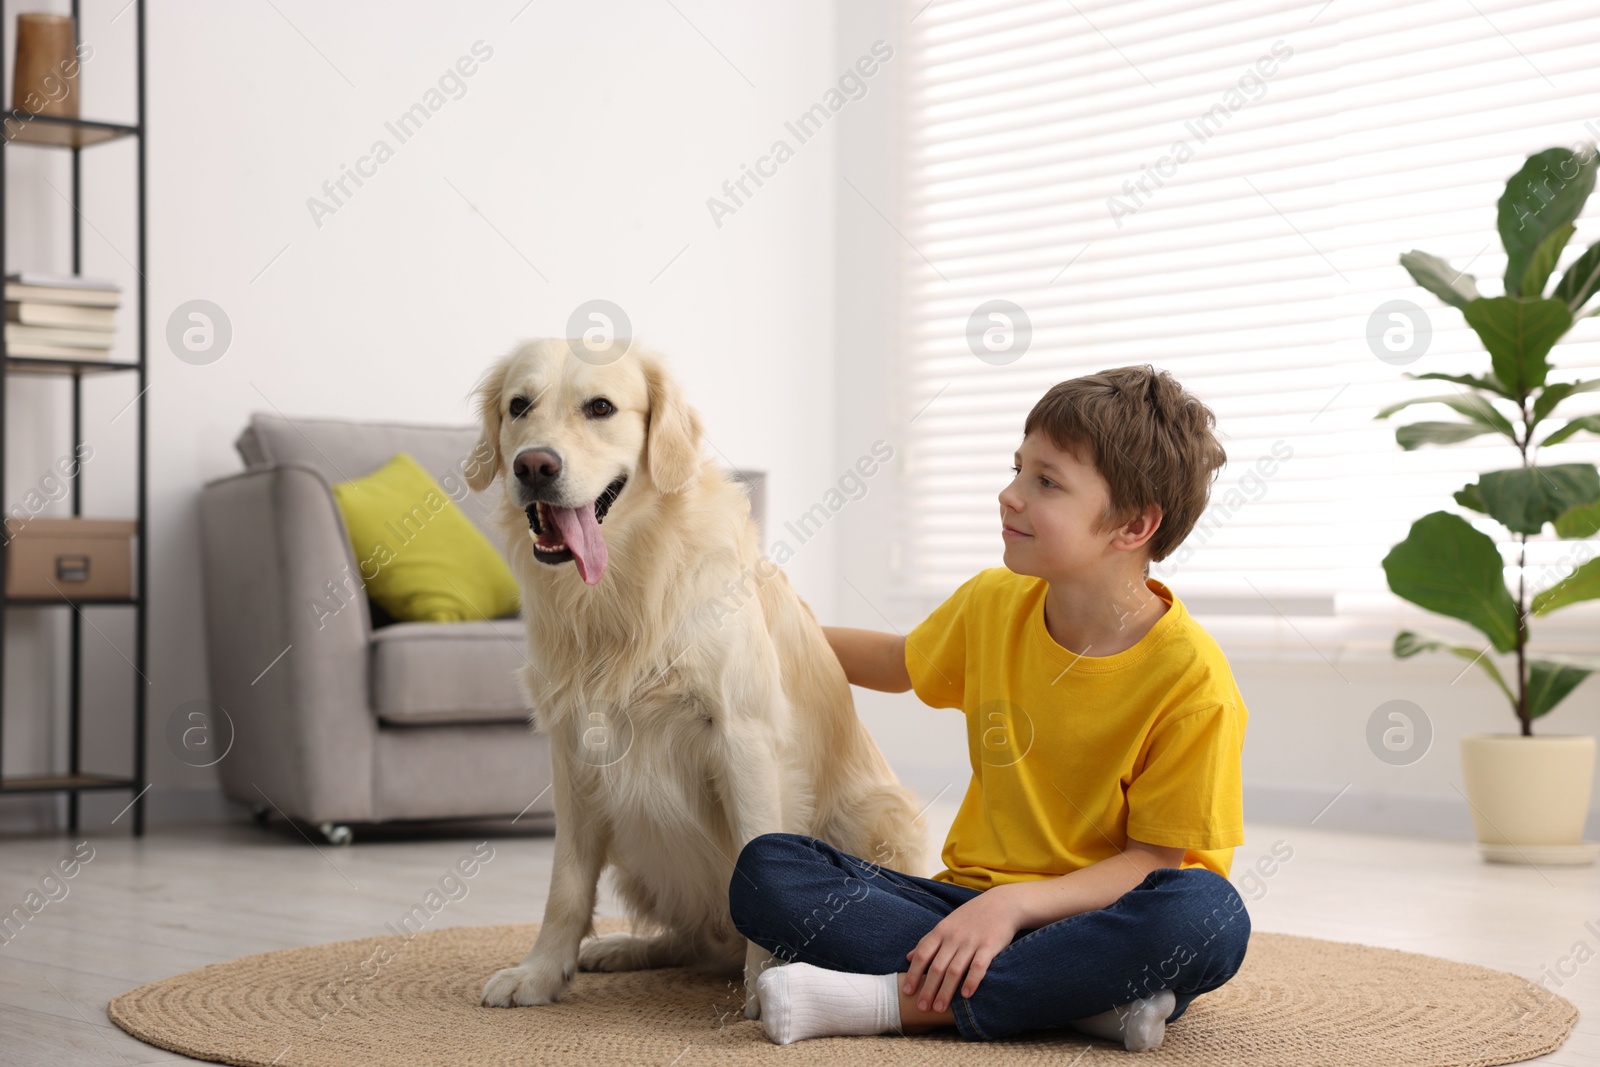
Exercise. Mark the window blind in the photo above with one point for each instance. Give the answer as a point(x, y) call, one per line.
point(1224, 190)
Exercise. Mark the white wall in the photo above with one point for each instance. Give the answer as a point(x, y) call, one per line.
point(587, 146)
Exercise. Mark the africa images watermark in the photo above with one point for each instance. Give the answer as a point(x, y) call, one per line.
point(852, 85)
point(1252, 882)
point(52, 486)
point(1252, 486)
point(1582, 155)
point(852, 486)
point(56, 85)
point(450, 888)
point(1566, 967)
point(52, 889)
point(1251, 87)
point(1183, 953)
point(404, 127)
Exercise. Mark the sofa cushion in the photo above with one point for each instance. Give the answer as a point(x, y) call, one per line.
point(448, 672)
point(420, 557)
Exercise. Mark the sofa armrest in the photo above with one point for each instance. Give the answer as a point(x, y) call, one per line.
point(288, 636)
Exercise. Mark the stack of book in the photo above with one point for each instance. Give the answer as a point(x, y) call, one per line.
point(59, 316)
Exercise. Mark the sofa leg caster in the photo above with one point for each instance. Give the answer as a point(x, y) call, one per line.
point(336, 833)
point(260, 813)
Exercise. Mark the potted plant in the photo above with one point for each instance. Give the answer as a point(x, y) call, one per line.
point(1529, 795)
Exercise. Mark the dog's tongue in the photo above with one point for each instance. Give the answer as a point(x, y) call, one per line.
point(581, 534)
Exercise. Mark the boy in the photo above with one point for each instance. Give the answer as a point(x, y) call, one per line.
point(1085, 878)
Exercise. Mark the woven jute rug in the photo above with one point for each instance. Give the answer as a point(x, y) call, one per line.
point(1296, 1002)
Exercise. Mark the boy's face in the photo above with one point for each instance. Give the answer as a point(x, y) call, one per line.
point(1050, 513)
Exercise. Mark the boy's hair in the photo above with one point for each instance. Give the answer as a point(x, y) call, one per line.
point(1149, 438)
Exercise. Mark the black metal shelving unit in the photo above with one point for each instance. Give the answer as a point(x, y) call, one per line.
point(22, 129)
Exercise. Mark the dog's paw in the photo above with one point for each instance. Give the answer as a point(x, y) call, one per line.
point(614, 952)
point(525, 985)
point(752, 1001)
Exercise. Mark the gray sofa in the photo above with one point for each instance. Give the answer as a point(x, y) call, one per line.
point(338, 718)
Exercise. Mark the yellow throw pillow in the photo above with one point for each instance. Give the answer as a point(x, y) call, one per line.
point(420, 556)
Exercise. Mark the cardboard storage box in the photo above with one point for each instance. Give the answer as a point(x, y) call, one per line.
point(84, 559)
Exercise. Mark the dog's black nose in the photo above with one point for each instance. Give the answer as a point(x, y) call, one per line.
point(536, 467)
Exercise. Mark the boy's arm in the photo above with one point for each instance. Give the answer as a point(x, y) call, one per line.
point(1099, 885)
point(870, 658)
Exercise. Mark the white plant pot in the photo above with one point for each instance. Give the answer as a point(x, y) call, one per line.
point(1530, 796)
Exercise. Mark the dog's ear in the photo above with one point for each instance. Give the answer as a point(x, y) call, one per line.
point(673, 433)
point(484, 462)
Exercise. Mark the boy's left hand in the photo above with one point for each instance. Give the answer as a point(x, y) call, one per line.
point(961, 946)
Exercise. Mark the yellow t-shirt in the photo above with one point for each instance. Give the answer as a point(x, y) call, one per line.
point(1071, 755)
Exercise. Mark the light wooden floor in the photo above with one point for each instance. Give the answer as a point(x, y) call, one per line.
point(182, 898)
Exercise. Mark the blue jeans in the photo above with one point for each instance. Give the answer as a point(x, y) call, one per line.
point(1180, 929)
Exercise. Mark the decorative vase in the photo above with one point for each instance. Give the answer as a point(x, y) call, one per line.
point(1530, 796)
point(45, 78)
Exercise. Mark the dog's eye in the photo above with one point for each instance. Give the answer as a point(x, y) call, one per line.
point(519, 404)
point(600, 407)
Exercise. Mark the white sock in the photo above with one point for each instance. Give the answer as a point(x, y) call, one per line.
point(799, 1001)
point(1140, 1025)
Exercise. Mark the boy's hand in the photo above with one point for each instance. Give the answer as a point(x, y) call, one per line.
point(960, 947)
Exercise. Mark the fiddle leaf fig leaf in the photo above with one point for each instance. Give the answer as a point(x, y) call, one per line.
point(1474, 407)
point(1578, 284)
point(1408, 643)
point(1554, 393)
point(1469, 497)
point(1582, 584)
point(1544, 260)
point(1445, 565)
point(1547, 193)
point(1581, 520)
point(1582, 422)
point(1418, 434)
point(1523, 499)
point(1519, 335)
point(1488, 382)
point(1454, 287)
point(1549, 682)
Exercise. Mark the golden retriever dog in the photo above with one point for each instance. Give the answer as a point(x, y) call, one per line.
point(690, 697)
